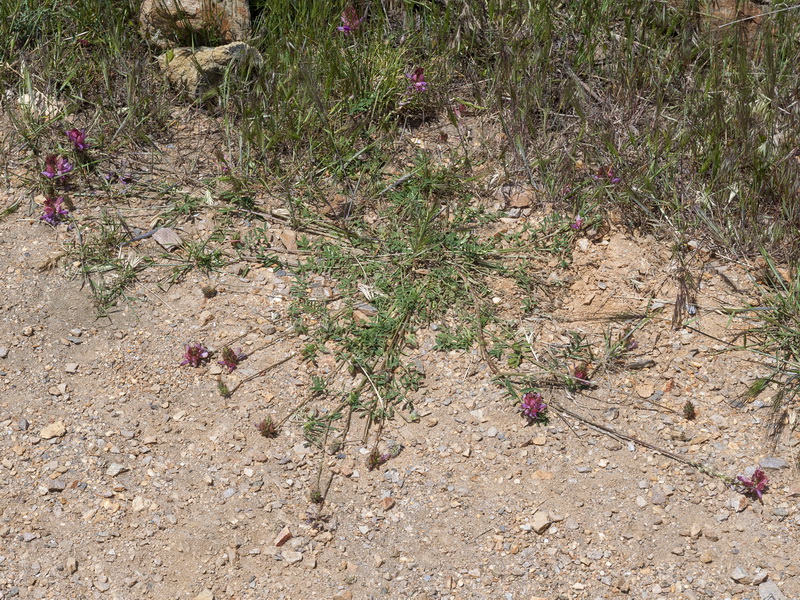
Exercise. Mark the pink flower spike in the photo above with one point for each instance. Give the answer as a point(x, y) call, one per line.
point(54, 211)
point(78, 139)
point(231, 359)
point(418, 83)
point(195, 355)
point(578, 224)
point(350, 21)
point(50, 168)
point(533, 408)
point(756, 485)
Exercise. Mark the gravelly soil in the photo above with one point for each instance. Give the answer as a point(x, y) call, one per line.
point(124, 475)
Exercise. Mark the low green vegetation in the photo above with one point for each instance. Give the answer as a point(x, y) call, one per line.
point(667, 117)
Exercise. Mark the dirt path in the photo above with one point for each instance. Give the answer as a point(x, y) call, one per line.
point(124, 475)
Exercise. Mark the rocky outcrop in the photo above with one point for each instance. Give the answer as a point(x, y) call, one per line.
point(174, 23)
point(195, 70)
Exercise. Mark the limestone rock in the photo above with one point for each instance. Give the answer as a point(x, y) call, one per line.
point(173, 23)
point(52, 430)
point(196, 70)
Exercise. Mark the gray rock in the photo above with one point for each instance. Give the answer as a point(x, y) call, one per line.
point(3, 352)
point(738, 574)
point(659, 497)
point(770, 591)
point(770, 462)
point(760, 577)
point(56, 485)
point(291, 556)
point(23, 424)
point(115, 469)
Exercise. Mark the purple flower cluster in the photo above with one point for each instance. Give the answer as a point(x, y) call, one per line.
point(350, 21)
point(533, 407)
point(195, 355)
point(755, 485)
point(581, 375)
point(577, 225)
point(417, 78)
point(375, 459)
point(607, 174)
point(267, 428)
point(231, 359)
point(56, 167)
point(78, 139)
point(54, 211)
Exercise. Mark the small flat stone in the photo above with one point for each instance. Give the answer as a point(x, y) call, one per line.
point(206, 594)
point(102, 584)
point(738, 574)
point(541, 521)
point(71, 565)
point(292, 557)
point(23, 424)
point(3, 352)
point(677, 550)
point(739, 503)
point(167, 238)
point(707, 557)
point(57, 429)
point(659, 497)
point(770, 462)
point(284, 536)
point(138, 504)
point(760, 577)
point(71, 368)
point(229, 492)
point(641, 502)
point(56, 485)
point(258, 456)
point(387, 503)
point(115, 469)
